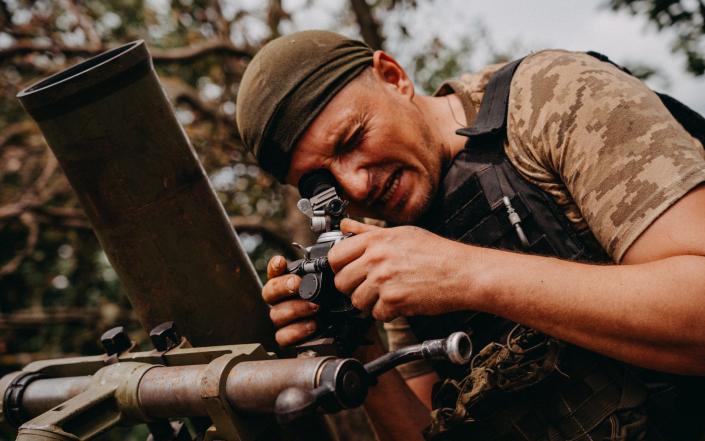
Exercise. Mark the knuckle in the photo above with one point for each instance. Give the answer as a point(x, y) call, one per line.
point(380, 313)
point(333, 252)
point(356, 301)
point(379, 277)
point(292, 283)
point(305, 328)
point(282, 338)
point(294, 332)
point(379, 316)
point(392, 296)
point(340, 284)
point(278, 316)
point(266, 292)
point(374, 255)
point(310, 327)
point(302, 308)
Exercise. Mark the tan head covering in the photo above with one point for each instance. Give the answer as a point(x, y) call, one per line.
point(287, 84)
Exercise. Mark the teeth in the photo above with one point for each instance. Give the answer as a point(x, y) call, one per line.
point(388, 194)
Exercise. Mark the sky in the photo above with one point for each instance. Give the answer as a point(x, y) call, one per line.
point(518, 25)
point(567, 24)
point(524, 26)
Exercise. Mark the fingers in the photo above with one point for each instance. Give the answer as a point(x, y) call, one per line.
point(295, 332)
point(346, 251)
point(351, 276)
point(287, 314)
point(364, 297)
point(276, 267)
point(280, 288)
point(348, 225)
point(382, 313)
point(289, 311)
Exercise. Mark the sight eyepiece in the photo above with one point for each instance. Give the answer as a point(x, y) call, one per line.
point(316, 182)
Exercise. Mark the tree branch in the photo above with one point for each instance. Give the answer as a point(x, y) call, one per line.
point(30, 318)
point(185, 54)
point(369, 28)
point(72, 217)
point(32, 236)
point(172, 55)
point(275, 14)
point(270, 231)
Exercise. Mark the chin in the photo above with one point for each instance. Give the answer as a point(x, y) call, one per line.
point(410, 209)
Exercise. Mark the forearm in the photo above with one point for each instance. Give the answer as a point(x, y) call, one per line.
point(394, 410)
point(648, 314)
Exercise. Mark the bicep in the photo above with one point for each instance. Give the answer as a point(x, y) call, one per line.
point(680, 230)
point(616, 158)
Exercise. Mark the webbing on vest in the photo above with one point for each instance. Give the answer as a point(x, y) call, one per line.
point(599, 399)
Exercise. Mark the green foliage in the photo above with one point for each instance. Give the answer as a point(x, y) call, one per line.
point(685, 18)
point(439, 62)
point(59, 292)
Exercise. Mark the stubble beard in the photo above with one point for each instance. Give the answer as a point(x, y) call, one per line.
point(415, 213)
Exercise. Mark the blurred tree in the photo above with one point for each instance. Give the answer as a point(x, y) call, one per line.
point(684, 17)
point(53, 276)
point(58, 291)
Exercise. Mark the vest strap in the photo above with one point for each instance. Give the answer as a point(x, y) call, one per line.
point(492, 117)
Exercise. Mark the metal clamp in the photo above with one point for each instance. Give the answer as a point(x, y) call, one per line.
point(226, 423)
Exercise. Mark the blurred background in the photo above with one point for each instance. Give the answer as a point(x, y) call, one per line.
point(58, 292)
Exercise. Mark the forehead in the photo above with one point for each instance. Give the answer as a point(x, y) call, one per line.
point(316, 147)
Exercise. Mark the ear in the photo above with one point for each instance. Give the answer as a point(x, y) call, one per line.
point(387, 70)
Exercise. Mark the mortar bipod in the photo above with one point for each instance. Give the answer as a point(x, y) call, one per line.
point(233, 389)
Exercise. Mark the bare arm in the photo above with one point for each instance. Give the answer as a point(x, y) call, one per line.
point(648, 312)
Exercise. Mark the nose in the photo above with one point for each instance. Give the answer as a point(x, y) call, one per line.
point(354, 181)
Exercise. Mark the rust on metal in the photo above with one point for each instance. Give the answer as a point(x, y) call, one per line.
point(44, 394)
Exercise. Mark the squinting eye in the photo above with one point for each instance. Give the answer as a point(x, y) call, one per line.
point(354, 141)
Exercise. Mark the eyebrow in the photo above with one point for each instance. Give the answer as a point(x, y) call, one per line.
point(348, 135)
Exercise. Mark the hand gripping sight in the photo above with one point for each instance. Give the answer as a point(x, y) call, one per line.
point(340, 326)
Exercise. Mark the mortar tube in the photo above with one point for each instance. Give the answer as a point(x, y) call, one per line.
point(110, 125)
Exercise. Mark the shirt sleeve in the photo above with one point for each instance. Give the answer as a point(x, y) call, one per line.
point(601, 143)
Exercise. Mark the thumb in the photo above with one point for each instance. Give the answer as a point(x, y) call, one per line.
point(348, 225)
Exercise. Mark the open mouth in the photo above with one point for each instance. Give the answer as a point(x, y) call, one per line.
point(390, 187)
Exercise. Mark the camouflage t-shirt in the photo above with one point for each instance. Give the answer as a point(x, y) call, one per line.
point(596, 139)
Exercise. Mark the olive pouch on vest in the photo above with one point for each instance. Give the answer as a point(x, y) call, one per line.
point(524, 385)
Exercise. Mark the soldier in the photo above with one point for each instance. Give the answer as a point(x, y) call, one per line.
point(563, 225)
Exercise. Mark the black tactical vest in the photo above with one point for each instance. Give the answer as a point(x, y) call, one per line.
point(483, 200)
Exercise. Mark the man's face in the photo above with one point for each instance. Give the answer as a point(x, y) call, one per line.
point(373, 138)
